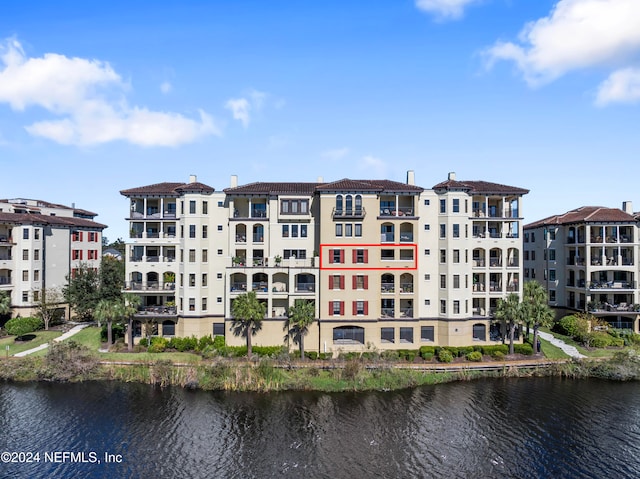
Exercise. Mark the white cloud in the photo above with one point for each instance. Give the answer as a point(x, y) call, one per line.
point(577, 34)
point(89, 96)
point(444, 9)
point(375, 167)
point(335, 154)
point(166, 87)
point(240, 108)
point(622, 86)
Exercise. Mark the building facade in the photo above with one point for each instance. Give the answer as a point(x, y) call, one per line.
point(388, 265)
point(41, 245)
point(587, 259)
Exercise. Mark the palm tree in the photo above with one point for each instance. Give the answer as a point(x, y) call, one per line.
point(5, 303)
point(131, 303)
point(247, 314)
point(537, 309)
point(510, 311)
point(108, 311)
point(301, 316)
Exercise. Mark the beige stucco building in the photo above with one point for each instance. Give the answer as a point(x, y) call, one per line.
point(388, 265)
point(41, 245)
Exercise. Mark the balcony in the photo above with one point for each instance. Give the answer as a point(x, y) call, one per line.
point(4, 281)
point(157, 311)
point(387, 287)
point(305, 287)
point(6, 239)
point(149, 286)
point(406, 288)
point(387, 313)
point(239, 287)
point(348, 213)
point(406, 237)
point(611, 285)
point(401, 211)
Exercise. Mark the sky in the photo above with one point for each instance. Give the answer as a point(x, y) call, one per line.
point(97, 97)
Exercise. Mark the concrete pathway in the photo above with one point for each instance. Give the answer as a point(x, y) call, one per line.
point(66, 335)
point(570, 350)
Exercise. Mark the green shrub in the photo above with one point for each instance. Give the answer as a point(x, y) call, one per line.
point(498, 355)
point(21, 326)
point(427, 351)
point(445, 356)
point(325, 356)
point(576, 326)
point(204, 342)
point(370, 355)
point(268, 351)
point(158, 344)
point(475, 356)
point(349, 356)
point(600, 340)
point(390, 355)
point(464, 351)
point(617, 342)
point(311, 355)
point(525, 349)
point(183, 344)
point(218, 342)
point(117, 331)
point(491, 350)
point(407, 354)
point(427, 356)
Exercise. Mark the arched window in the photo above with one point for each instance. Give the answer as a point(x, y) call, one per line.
point(349, 202)
point(168, 328)
point(479, 332)
point(339, 204)
point(348, 335)
point(387, 234)
point(358, 204)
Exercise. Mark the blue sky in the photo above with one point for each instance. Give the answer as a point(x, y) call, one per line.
point(96, 97)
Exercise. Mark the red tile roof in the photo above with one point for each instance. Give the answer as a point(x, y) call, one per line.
point(480, 187)
point(26, 218)
point(586, 214)
point(380, 186)
point(283, 188)
point(167, 189)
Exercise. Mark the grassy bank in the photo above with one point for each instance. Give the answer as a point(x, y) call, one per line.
point(69, 361)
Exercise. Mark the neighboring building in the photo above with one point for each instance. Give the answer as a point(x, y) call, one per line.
point(41, 245)
point(389, 265)
point(587, 259)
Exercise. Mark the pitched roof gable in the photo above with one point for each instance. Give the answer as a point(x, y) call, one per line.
point(586, 214)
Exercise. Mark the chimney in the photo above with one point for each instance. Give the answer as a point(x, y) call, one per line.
point(234, 181)
point(320, 179)
point(452, 176)
point(627, 207)
point(411, 177)
point(193, 178)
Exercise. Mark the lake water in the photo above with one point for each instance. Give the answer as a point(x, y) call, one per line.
point(515, 428)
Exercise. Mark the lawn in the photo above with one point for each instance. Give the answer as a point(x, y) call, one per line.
point(42, 337)
point(591, 352)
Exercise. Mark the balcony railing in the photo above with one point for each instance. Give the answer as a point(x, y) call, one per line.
point(305, 287)
point(400, 211)
point(239, 287)
point(495, 287)
point(387, 313)
point(149, 286)
point(479, 287)
point(258, 238)
point(157, 310)
point(406, 313)
point(495, 263)
point(4, 281)
point(348, 213)
point(478, 262)
point(406, 237)
point(387, 287)
point(611, 285)
point(386, 238)
point(406, 287)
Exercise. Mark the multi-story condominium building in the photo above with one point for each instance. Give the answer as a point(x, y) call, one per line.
point(41, 245)
point(389, 265)
point(587, 259)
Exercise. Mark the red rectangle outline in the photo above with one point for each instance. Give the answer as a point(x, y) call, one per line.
point(377, 245)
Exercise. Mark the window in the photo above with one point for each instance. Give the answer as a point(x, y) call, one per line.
point(348, 229)
point(443, 306)
point(204, 303)
point(219, 300)
point(25, 233)
point(456, 281)
point(220, 227)
point(338, 229)
point(443, 206)
point(25, 296)
point(192, 207)
point(426, 202)
point(205, 231)
point(533, 237)
point(358, 229)
point(533, 256)
point(443, 255)
point(205, 207)
point(427, 333)
point(456, 255)
point(192, 279)
point(552, 295)
point(285, 231)
point(348, 334)
point(205, 255)
point(336, 308)
point(218, 275)
point(360, 308)
point(456, 205)
point(303, 231)
point(192, 256)
point(443, 281)
point(427, 277)
point(294, 206)
point(552, 275)
point(192, 304)
point(406, 335)
point(218, 329)
point(427, 252)
point(443, 231)
point(75, 236)
point(204, 279)
point(25, 275)
point(552, 255)
point(36, 296)
point(36, 255)
point(387, 335)
point(526, 255)
point(479, 332)
point(182, 207)
point(220, 204)
point(336, 256)
point(552, 234)
point(336, 281)
point(387, 254)
point(360, 256)
point(360, 282)
point(456, 231)
point(75, 254)
point(36, 275)
point(427, 302)
point(295, 253)
point(339, 210)
point(36, 234)
point(294, 231)
point(456, 307)
point(427, 227)
point(192, 231)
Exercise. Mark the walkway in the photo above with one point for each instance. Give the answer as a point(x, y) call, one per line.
point(66, 335)
point(567, 349)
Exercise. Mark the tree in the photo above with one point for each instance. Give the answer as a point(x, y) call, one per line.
point(536, 307)
point(248, 314)
point(109, 311)
point(48, 304)
point(19, 327)
point(112, 277)
point(131, 303)
point(81, 292)
point(5, 303)
point(510, 311)
point(301, 317)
